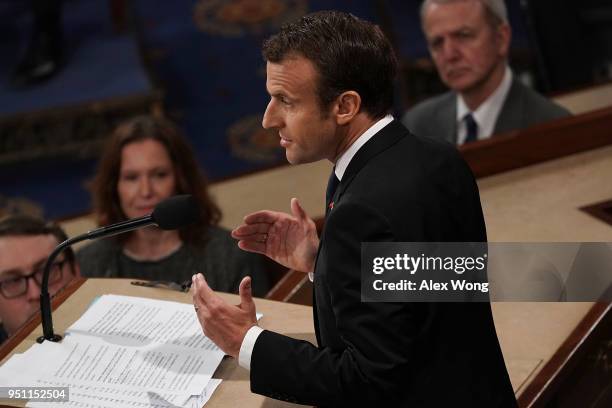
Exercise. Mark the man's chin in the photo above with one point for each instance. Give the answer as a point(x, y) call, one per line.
point(299, 159)
point(12, 328)
point(292, 157)
point(294, 160)
point(461, 85)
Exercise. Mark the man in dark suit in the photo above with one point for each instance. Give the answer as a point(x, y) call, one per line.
point(468, 41)
point(330, 77)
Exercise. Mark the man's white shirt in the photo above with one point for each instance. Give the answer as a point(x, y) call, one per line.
point(486, 114)
point(248, 343)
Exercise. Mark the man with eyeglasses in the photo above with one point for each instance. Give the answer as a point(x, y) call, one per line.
point(25, 244)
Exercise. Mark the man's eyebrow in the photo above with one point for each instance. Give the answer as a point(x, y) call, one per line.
point(40, 263)
point(9, 273)
point(462, 28)
point(13, 272)
point(454, 31)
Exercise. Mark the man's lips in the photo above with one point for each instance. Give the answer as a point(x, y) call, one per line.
point(456, 72)
point(284, 142)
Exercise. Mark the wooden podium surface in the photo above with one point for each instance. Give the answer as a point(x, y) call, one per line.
point(286, 318)
point(528, 335)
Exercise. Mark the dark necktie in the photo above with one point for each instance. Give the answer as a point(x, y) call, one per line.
point(472, 128)
point(332, 185)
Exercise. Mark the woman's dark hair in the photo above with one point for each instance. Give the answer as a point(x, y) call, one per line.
point(348, 53)
point(189, 177)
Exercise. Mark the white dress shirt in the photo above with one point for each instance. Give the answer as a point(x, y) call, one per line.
point(248, 343)
point(486, 114)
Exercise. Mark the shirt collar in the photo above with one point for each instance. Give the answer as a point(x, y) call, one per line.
point(346, 157)
point(486, 114)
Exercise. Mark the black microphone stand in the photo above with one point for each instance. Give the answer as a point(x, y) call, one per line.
point(45, 299)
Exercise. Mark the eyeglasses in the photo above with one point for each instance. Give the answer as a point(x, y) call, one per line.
point(14, 287)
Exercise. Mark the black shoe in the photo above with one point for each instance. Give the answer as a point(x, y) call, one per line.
point(41, 61)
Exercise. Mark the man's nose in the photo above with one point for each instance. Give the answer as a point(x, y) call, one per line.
point(450, 50)
point(32, 290)
point(270, 118)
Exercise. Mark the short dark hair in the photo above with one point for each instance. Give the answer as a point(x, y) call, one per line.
point(349, 54)
point(189, 177)
point(20, 225)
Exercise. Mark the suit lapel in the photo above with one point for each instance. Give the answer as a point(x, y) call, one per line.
point(446, 118)
point(385, 138)
point(511, 112)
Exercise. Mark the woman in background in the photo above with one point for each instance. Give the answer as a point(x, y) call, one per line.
point(145, 161)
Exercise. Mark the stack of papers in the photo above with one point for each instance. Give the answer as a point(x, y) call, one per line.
point(124, 352)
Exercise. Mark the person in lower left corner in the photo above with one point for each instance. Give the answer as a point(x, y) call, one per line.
point(25, 244)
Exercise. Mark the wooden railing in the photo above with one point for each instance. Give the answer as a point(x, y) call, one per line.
point(501, 153)
point(570, 376)
point(539, 143)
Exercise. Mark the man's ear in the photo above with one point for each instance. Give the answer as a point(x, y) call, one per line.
point(348, 105)
point(504, 37)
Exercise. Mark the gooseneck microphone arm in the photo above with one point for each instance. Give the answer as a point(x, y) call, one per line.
point(45, 298)
point(172, 213)
point(121, 227)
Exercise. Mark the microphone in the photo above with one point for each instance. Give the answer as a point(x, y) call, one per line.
point(172, 213)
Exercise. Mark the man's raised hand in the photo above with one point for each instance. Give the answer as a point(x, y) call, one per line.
point(290, 240)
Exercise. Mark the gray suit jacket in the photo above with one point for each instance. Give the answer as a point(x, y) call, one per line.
point(523, 107)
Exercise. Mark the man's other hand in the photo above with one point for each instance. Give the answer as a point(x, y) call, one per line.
point(290, 240)
point(224, 324)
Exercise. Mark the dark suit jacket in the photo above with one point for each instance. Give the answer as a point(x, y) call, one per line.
point(398, 187)
point(437, 117)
